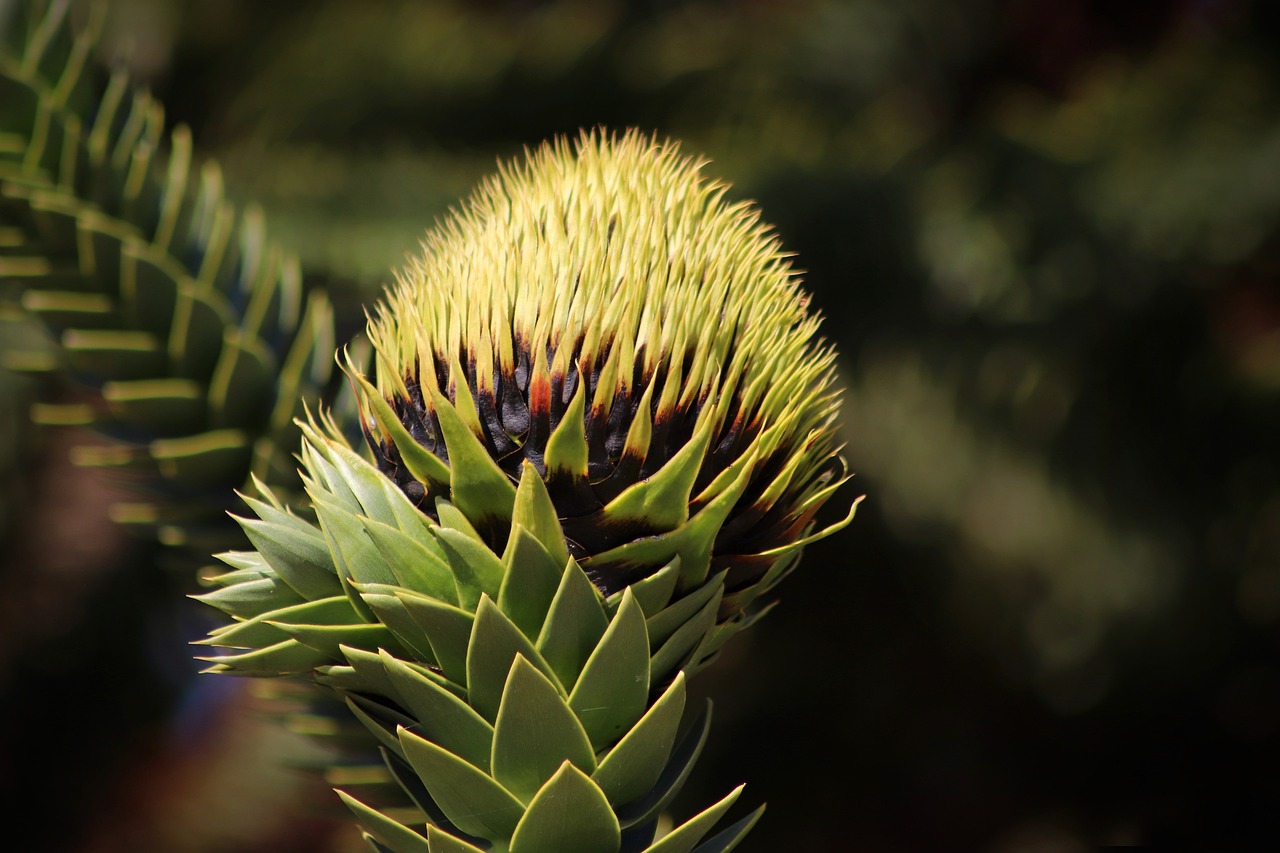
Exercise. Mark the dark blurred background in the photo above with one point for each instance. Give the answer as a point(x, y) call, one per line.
point(1046, 238)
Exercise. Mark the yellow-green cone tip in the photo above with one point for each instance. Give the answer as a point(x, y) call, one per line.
point(601, 310)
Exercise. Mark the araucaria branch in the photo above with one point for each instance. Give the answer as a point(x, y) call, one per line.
point(601, 425)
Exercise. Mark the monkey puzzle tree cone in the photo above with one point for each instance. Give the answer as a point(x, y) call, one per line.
point(607, 316)
point(601, 425)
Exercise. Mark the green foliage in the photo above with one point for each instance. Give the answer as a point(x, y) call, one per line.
point(514, 704)
point(186, 329)
point(550, 733)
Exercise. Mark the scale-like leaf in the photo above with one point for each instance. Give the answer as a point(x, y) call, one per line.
point(673, 775)
point(468, 796)
point(396, 836)
point(448, 628)
point(535, 732)
point(535, 513)
point(476, 570)
point(727, 839)
point(631, 769)
point(444, 718)
point(684, 837)
point(569, 813)
point(529, 582)
point(680, 647)
point(612, 692)
point(574, 625)
point(495, 643)
point(442, 842)
point(476, 483)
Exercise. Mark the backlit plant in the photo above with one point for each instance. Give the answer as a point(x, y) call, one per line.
point(598, 426)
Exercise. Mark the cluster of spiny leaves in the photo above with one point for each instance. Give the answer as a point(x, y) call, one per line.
point(602, 425)
point(612, 319)
point(186, 332)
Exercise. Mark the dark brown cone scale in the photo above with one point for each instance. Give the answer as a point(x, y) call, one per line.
point(518, 416)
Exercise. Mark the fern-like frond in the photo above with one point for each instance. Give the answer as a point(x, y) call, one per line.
point(188, 329)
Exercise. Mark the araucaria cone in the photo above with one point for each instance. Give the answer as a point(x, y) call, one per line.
point(602, 424)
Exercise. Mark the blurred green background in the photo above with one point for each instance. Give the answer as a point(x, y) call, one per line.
point(1046, 239)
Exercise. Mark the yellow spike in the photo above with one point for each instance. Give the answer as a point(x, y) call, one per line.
point(462, 399)
point(641, 429)
point(484, 363)
point(602, 251)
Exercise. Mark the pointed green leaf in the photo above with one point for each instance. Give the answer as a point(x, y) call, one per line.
point(529, 583)
point(613, 691)
point(252, 598)
point(574, 625)
point(742, 597)
point(476, 570)
point(368, 667)
point(535, 512)
point(247, 560)
point(288, 657)
point(692, 541)
point(675, 651)
point(324, 479)
point(327, 638)
point(683, 838)
point(341, 678)
point(398, 837)
point(255, 632)
point(673, 776)
point(567, 450)
point(631, 769)
point(442, 842)
point(640, 432)
point(495, 642)
point(654, 592)
point(478, 486)
point(722, 633)
point(661, 502)
point(268, 507)
point(464, 404)
point(390, 611)
point(352, 551)
point(382, 722)
point(452, 518)
point(372, 489)
point(416, 567)
point(357, 601)
point(569, 813)
point(235, 576)
point(728, 839)
point(665, 623)
point(535, 733)
point(442, 717)
point(403, 774)
point(300, 559)
point(469, 797)
point(448, 628)
point(424, 465)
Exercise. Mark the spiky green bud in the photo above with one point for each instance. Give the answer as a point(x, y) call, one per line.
point(603, 425)
point(607, 315)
